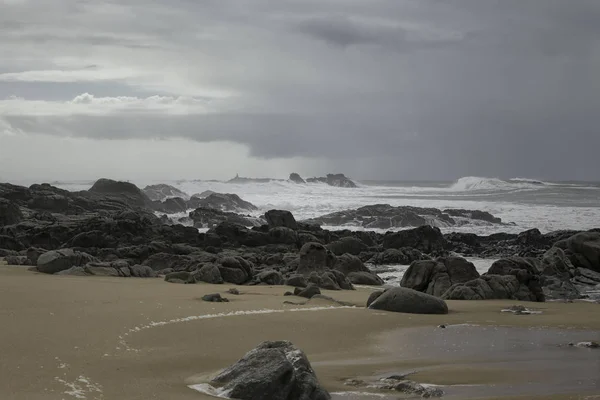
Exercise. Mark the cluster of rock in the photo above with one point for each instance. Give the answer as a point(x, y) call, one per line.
point(385, 216)
point(112, 229)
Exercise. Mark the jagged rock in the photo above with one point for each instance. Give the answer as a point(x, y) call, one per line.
point(225, 202)
point(162, 191)
point(10, 213)
point(172, 205)
point(277, 218)
point(424, 238)
point(314, 257)
point(55, 261)
point(294, 177)
point(436, 277)
point(348, 244)
point(405, 300)
point(527, 273)
point(403, 256)
point(274, 371)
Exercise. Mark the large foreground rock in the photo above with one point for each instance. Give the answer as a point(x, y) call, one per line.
point(55, 261)
point(436, 277)
point(583, 249)
point(278, 218)
point(405, 300)
point(274, 371)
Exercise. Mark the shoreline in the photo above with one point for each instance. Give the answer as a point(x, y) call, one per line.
point(73, 333)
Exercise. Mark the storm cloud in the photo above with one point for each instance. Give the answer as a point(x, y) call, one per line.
point(390, 89)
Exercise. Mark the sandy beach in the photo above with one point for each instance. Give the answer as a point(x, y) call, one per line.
point(66, 337)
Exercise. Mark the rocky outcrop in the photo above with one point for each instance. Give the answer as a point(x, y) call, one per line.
point(123, 191)
point(294, 177)
point(210, 217)
point(348, 244)
point(274, 371)
point(436, 277)
point(161, 192)
point(473, 214)
point(281, 218)
point(405, 300)
point(583, 250)
point(55, 261)
point(10, 213)
point(172, 205)
point(314, 257)
point(424, 238)
point(385, 216)
point(337, 180)
point(225, 202)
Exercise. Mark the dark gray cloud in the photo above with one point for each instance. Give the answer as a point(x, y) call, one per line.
point(393, 89)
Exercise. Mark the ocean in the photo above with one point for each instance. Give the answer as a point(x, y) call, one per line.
point(525, 203)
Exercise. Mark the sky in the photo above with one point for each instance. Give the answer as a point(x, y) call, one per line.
point(376, 89)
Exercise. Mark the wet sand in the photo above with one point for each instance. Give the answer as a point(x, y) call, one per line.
point(94, 338)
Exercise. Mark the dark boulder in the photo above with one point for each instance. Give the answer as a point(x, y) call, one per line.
point(365, 278)
point(225, 202)
point(436, 277)
point(215, 298)
point(277, 218)
point(307, 292)
point(268, 277)
point(583, 249)
point(123, 191)
point(55, 261)
point(208, 273)
point(297, 281)
point(473, 214)
point(283, 235)
point(314, 257)
point(235, 270)
point(338, 180)
point(425, 238)
point(402, 256)
point(353, 268)
point(405, 300)
point(294, 177)
point(10, 213)
point(274, 371)
point(491, 287)
point(348, 244)
point(374, 296)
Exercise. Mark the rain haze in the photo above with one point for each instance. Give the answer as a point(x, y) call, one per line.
point(398, 89)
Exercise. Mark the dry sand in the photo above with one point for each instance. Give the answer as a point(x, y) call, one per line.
point(67, 337)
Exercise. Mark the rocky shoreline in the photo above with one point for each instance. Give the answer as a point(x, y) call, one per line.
point(114, 229)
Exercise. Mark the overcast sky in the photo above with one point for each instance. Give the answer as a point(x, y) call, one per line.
point(390, 89)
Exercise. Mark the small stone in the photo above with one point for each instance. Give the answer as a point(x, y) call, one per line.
point(442, 326)
point(233, 291)
point(214, 298)
point(288, 294)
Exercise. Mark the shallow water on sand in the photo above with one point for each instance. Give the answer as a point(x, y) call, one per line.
point(492, 361)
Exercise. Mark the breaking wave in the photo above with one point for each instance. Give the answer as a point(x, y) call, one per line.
point(476, 183)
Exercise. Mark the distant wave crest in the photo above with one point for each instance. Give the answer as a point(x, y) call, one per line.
point(476, 183)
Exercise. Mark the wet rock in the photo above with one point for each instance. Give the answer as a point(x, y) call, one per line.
point(10, 213)
point(473, 214)
point(236, 270)
point(436, 277)
point(162, 191)
point(338, 180)
point(583, 249)
point(490, 287)
point(294, 177)
point(296, 281)
point(278, 218)
point(55, 261)
point(424, 238)
point(403, 256)
point(274, 371)
point(405, 300)
point(215, 298)
point(373, 296)
point(269, 277)
point(307, 292)
point(225, 202)
point(365, 278)
point(349, 245)
point(208, 273)
point(314, 257)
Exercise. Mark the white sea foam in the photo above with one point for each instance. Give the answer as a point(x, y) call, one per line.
point(528, 203)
